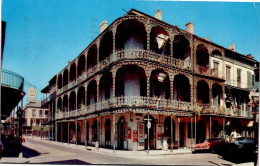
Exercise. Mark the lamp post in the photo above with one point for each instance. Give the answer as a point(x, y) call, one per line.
point(20, 121)
point(255, 111)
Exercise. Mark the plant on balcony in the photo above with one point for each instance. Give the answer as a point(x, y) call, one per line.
point(83, 107)
point(141, 102)
point(134, 103)
point(198, 110)
point(222, 110)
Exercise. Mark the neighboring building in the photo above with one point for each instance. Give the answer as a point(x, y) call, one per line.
point(35, 117)
point(12, 94)
point(141, 72)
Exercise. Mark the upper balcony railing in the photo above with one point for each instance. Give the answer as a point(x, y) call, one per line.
point(53, 89)
point(12, 79)
point(206, 71)
point(151, 56)
point(131, 54)
point(82, 77)
point(43, 102)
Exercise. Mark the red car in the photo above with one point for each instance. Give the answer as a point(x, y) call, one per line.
point(211, 144)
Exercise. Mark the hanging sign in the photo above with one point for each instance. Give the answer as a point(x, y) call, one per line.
point(32, 92)
point(125, 131)
point(159, 135)
point(140, 132)
point(135, 135)
point(129, 133)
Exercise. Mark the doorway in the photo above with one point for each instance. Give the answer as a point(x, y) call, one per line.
point(121, 132)
point(168, 130)
point(152, 132)
point(107, 133)
point(181, 134)
point(201, 132)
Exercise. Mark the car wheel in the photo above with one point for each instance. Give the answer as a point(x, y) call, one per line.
point(212, 150)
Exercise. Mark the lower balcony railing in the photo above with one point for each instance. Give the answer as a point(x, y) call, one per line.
point(217, 109)
point(129, 101)
point(153, 103)
point(72, 83)
point(65, 88)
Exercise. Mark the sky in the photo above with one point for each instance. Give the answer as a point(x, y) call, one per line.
point(43, 35)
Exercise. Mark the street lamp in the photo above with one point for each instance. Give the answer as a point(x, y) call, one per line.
point(161, 77)
point(20, 117)
point(255, 104)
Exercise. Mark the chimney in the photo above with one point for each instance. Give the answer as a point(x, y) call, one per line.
point(103, 26)
point(232, 47)
point(190, 27)
point(250, 56)
point(158, 14)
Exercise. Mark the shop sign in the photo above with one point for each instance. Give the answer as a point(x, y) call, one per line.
point(159, 135)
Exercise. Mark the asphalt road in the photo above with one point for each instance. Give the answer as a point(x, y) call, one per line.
point(44, 152)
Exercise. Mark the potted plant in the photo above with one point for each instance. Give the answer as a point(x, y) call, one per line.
point(198, 110)
point(222, 110)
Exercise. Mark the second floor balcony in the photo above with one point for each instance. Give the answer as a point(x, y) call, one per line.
point(128, 102)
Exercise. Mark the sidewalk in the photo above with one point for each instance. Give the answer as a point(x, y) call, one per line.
point(14, 160)
point(120, 152)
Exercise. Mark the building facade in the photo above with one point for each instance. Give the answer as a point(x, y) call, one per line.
point(142, 81)
point(34, 118)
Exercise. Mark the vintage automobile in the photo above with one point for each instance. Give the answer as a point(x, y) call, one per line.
point(244, 144)
point(241, 146)
point(212, 145)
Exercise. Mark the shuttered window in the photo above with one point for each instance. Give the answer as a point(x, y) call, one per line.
point(249, 79)
point(238, 77)
point(228, 74)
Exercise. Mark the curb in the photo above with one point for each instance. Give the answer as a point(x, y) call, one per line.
point(93, 149)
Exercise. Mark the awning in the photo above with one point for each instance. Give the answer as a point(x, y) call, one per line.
point(228, 123)
point(250, 124)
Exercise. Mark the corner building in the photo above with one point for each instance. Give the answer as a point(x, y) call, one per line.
point(141, 73)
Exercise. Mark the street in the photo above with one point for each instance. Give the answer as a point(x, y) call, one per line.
point(47, 152)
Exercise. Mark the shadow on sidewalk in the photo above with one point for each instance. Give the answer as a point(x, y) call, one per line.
point(75, 162)
point(28, 152)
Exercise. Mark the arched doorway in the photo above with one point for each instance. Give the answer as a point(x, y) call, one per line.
point(215, 129)
point(130, 81)
point(181, 88)
point(168, 130)
point(79, 132)
point(202, 92)
point(87, 132)
point(152, 132)
point(107, 133)
point(94, 131)
point(201, 132)
point(121, 132)
point(238, 127)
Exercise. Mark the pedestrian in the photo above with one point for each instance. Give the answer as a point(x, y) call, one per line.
point(232, 137)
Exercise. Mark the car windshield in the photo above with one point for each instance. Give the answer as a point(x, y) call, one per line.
point(210, 140)
point(239, 139)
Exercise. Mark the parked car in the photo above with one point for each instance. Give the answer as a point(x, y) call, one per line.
point(240, 147)
point(212, 145)
point(243, 144)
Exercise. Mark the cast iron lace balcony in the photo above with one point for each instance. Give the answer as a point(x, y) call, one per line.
point(129, 101)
